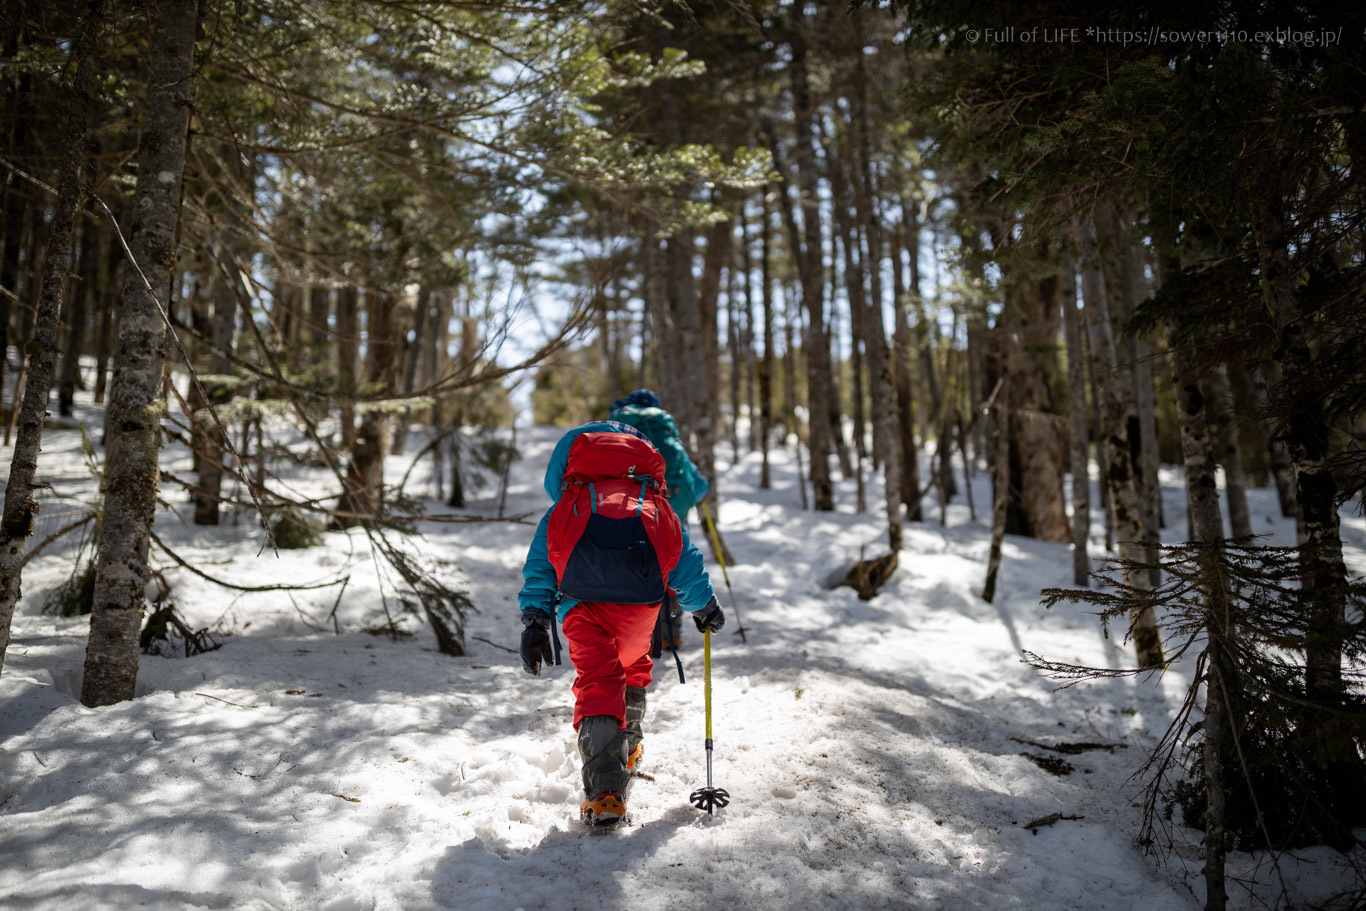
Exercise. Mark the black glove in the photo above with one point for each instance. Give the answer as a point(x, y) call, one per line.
point(536, 642)
point(710, 617)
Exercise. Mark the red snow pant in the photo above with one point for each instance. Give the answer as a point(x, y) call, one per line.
point(609, 646)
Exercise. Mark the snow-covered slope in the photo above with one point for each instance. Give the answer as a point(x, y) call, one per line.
point(875, 752)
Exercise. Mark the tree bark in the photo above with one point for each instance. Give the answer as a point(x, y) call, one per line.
point(853, 280)
point(767, 363)
point(843, 456)
point(790, 391)
point(706, 423)
point(411, 355)
point(1117, 424)
point(1207, 527)
point(102, 341)
point(88, 268)
point(747, 339)
point(1139, 354)
point(347, 345)
point(18, 111)
point(135, 402)
point(886, 433)
point(16, 523)
point(1079, 426)
point(944, 434)
point(1029, 320)
point(842, 230)
point(901, 362)
point(222, 330)
point(1306, 434)
point(363, 496)
point(735, 337)
point(816, 344)
point(1230, 455)
point(1282, 467)
point(663, 326)
point(1000, 485)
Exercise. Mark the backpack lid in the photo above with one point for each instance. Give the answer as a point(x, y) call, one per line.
point(600, 456)
point(559, 459)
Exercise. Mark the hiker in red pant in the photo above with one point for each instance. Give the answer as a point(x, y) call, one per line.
point(601, 562)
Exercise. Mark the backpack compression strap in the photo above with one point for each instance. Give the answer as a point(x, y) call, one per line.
point(669, 625)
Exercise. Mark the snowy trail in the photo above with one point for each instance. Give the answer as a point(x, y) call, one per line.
point(874, 751)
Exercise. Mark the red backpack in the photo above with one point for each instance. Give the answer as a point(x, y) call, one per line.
point(612, 535)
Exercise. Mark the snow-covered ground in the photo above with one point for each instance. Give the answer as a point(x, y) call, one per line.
point(877, 754)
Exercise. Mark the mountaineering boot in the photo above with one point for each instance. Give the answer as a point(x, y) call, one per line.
point(635, 714)
point(603, 811)
point(602, 747)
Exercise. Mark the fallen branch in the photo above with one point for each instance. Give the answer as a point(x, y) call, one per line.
point(495, 644)
point(54, 536)
point(342, 580)
point(228, 701)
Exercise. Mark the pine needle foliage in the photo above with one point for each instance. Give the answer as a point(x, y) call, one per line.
point(1295, 772)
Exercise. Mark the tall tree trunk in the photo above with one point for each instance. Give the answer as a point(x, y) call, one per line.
point(1282, 467)
point(706, 303)
point(1079, 426)
point(747, 339)
point(843, 455)
point(663, 325)
point(837, 429)
point(886, 434)
point(112, 276)
point(1230, 454)
point(348, 339)
point(619, 336)
point(16, 524)
point(924, 340)
point(1000, 469)
point(816, 344)
point(135, 405)
point(89, 269)
point(469, 354)
point(14, 203)
point(317, 332)
point(1306, 434)
point(737, 358)
point(790, 391)
point(976, 427)
point(944, 434)
point(388, 320)
point(705, 407)
point(1207, 527)
point(226, 293)
point(901, 362)
point(767, 364)
point(853, 280)
point(1030, 321)
point(1092, 287)
point(842, 231)
point(411, 355)
point(1137, 353)
point(1117, 420)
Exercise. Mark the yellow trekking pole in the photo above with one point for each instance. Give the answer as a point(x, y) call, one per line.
point(720, 558)
point(708, 798)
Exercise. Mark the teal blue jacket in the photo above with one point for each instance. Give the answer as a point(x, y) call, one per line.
point(540, 589)
point(687, 487)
